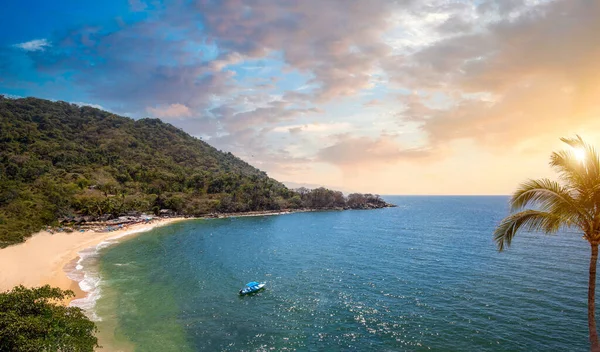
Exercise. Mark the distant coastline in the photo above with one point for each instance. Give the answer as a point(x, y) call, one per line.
point(94, 224)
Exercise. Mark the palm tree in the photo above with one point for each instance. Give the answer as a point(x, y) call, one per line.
point(573, 202)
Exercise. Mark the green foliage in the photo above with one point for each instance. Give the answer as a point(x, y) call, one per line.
point(59, 160)
point(323, 198)
point(573, 202)
point(34, 320)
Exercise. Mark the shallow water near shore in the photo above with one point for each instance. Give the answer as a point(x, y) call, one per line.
point(423, 276)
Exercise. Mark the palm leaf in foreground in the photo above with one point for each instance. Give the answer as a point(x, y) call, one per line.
point(532, 220)
point(547, 206)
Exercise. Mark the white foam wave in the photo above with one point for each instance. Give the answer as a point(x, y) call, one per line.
point(91, 285)
point(85, 272)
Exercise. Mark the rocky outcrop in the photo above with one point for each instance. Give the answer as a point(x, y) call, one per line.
point(366, 206)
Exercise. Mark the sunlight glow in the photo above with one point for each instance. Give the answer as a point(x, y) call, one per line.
point(579, 154)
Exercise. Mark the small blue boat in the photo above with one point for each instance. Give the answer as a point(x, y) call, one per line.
point(252, 287)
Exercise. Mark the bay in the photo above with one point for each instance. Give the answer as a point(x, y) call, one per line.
point(423, 276)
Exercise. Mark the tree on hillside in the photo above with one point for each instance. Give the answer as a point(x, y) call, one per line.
point(34, 320)
point(572, 202)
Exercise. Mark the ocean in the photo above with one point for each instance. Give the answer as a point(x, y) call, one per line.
point(424, 276)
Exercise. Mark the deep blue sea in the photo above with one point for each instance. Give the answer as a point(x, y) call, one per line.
point(423, 276)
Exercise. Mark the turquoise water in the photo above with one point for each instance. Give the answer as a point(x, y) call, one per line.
point(423, 276)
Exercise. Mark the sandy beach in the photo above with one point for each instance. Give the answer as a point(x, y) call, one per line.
point(42, 258)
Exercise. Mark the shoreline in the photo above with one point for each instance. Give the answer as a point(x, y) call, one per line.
point(47, 258)
point(56, 259)
point(43, 257)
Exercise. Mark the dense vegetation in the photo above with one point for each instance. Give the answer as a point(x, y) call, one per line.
point(60, 160)
point(32, 320)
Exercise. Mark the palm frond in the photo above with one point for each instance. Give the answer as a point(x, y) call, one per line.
point(549, 196)
point(532, 220)
point(584, 174)
point(592, 168)
point(573, 202)
point(568, 167)
point(542, 191)
point(576, 142)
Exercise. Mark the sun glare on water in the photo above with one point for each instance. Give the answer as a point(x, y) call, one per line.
point(579, 154)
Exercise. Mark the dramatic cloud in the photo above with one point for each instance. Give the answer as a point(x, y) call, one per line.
point(34, 45)
point(296, 87)
point(530, 74)
point(170, 58)
point(133, 66)
point(273, 113)
point(337, 41)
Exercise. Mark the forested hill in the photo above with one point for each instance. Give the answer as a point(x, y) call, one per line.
point(60, 160)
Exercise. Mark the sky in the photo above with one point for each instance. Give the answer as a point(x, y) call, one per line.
point(381, 96)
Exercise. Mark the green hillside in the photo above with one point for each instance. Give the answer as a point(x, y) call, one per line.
point(60, 160)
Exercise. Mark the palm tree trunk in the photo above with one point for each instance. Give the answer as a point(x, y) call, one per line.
point(594, 346)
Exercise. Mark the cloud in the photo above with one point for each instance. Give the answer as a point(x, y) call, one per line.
point(168, 58)
point(252, 145)
point(137, 5)
point(34, 45)
point(348, 150)
point(295, 130)
point(170, 111)
point(372, 103)
point(275, 112)
point(497, 72)
point(530, 73)
point(337, 41)
point(226, 60)
point(154, 62)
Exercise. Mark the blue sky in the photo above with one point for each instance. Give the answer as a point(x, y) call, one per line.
point(426, 97)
